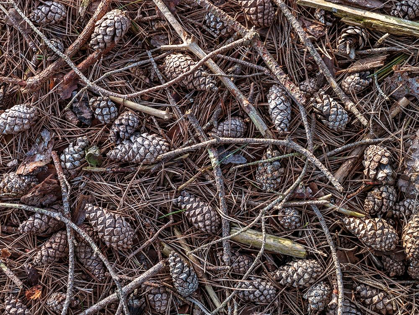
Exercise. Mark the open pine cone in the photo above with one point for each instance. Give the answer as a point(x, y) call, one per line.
point(260, 12)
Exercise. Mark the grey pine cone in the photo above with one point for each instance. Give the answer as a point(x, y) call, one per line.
point(289, 218)
point(318, 296)
point(50, 12)
point(184, 277)
point(374, 299)
point(403, 210)
point(355, 83)
point(257, 291)
point(14, 185)
point(268, 174)
point(59, 45)
point(104, 109)
point(73, 156)
point(380, 200)
point(393, 266)
point(299, 274)
point(53, 249)
point(216, 25)
point(14, 306)
point(233, 127)
point(406, 9)
point(158, 298)
point(260, 12)
point(377, 164)
point(17, 119)
point(349, 308)
point(56, 302)
point(309, 87)
point(279, 108)
point(330, 112)
point(351, 39)
point(124, 126)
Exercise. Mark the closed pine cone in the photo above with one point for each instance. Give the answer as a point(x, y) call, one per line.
point(86, 255)
point(53, 249)
point(257, 291)
point(112, 228)
point(411, 238)
point(177, 64)
point(104, 109)
point(268, 174)
point(406, 9)
point(56, 302)
point(59, 45)
point(15, 185)
point(374, 299)
point(109, 29)
point(330, 112)
point(41, 224)
point(279, 108)
point(260, 12)
point(413, 269)
point(184, 277)
point(124, 126)
point(352, 38)
point(289, 218)
point(299, 274)
point(309, 87)
point(17, 119)
point(50, 12)
point(139, 149)
point(393, 266)
point(14, 306)
point(234, 127)
point(199, 213)
point(73, 156)
point(403, 210)
point(240, 263)
point(376, 233)
point(349, 308)
point(318, 296)
point(216, 25)
point(355, 83)
point(380, 200)
point(377, 163)
point(158, 298)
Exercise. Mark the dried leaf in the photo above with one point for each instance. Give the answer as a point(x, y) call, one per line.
point(159, 40)
point(227, 157)
point(402, 85)
point(5, 253)
point(93, 156)
point(317, 30)
point(34, 293)
point(82, 110)
point(44, 194)
point(365, 4)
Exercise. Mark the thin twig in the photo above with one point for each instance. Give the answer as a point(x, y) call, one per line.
point(10, 274)
point(166, 115)
point(353, 144)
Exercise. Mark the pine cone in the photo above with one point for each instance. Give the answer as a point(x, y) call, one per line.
point(104, 109)
point(325, 17)
point(109, 29)
point(330, 112)
point(404, 209)
point(86, 255)
point(216, 25)
point(256, 291)
point(240, 264)
point(58, 44)
point(349, 308)
point(41, 224)
point(177, 64)
point(184, 277)
point(199, 213)
point(260, 12)
point(393, 267)
point(124, 126)
point(411, 238)
point(318, 297)
point(352, 38)
point(50, 12)
point(17, 185)
point(374, 299)
point(406, 9)
point(289, 218)
point(376, 233)
point(377, 164)
point(158, 298)
point(380, 200)
point(413, 269)
point(53, 249)
point(355, 83)
point(268, 174)
point(235, 127)
point(279, 108)
point(112, 228)
point(73, 156)
point(299, 274)
point(14, 306)
point(56, 302)
point(17, 119)
point(309, 87)
point(140, 149)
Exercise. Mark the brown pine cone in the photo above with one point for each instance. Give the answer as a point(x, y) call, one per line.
point(279, 108)
point(380, 200)
point(216, 25)
point(124, 126)
point(309, 87)
point(55, 302)
point(330, 112)
point(14, 306)
point(257, 291)
point(233, 127)
point(349, 308)
point(58, 44)
point(318, 296)
point(86, 255)
point(199, 213)
point(109, 29)
point(141, 149)
point(158, 298)
point(73, 156)
point(375, 300)
point(53, 249)
point(393, 266)
point(351, 39)
point(260, 12)
point(268, 174)
point(355, 83)
point(104, 109)
point(289, 218)
point(377, 164)
point(403, 210)
point(411, 238)
point(41, 224)
point(413, 269)
point(50, 12)
point(406, 9)
point(14, 185)
point(112, 228)
point(240, 263)
point(184, 277)
point(17, 119)
point(177, 64)
point(376, 233)
point(299, 274)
